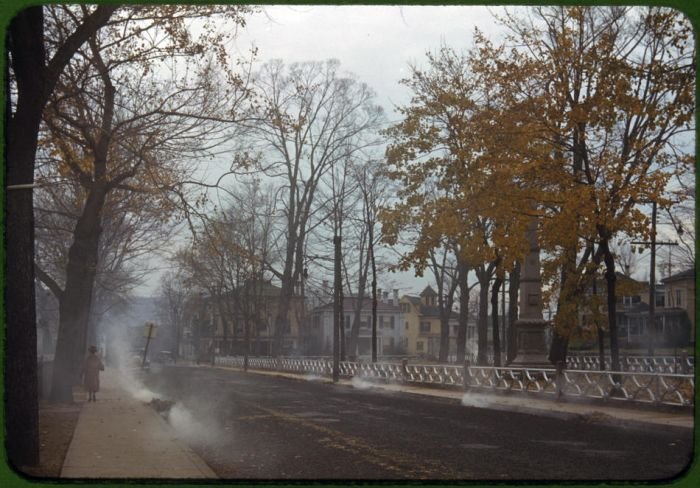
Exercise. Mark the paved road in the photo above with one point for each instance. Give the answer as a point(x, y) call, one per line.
point(262, 427)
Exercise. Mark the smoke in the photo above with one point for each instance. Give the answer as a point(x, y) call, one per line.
point(475, 400)
point(360, 384)
point(194, 428)
point(194, 423)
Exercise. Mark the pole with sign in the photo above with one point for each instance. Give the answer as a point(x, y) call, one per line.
point(149, 331)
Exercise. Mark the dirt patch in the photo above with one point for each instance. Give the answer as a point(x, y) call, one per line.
point(56, 426)
point(161, 406)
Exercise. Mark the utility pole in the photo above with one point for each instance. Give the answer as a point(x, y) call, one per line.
point(652, 283)
point(652, 279)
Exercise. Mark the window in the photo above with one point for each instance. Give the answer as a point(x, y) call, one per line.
point(404, 307)
point(627, 301)
point(419, 346)
point(391, 322)
point(425, 327)
point(679, 295)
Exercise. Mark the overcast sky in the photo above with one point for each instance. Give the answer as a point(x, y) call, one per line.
point(374, 42)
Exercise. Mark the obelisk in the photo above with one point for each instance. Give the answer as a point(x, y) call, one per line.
point(530, 339)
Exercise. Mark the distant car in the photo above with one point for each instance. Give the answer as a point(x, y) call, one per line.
point(136, 361)
point(165, 357)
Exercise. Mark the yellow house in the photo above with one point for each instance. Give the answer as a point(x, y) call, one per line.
point(422, 323)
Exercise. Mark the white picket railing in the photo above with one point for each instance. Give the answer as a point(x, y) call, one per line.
point(623, 386)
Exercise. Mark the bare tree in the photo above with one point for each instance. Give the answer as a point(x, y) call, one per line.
point(174, 292)
point(310, 117)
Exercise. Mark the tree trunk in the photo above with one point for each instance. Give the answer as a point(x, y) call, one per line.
point(74, 304)
point(601, 347)
point(600, 331)
point(341, 298)
point(444, 351)
point(26, 43)
point(337, 311)
point(463, 311)
point(246, 338)
point(558, 349)
point(494, 321)
point(374, 293)
point(513, 288)
point(610, 278)
point(482, 325)
point(355, 330)
point(282, 316)
point(287, 289)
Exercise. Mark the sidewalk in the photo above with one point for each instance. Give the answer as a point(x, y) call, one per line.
point(119, 437)
point(620, 415)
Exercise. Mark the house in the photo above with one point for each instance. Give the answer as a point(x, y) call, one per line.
point(217, 323)
point(422, 324)
point(680, 298)
point(672, 326)
point(319, 337)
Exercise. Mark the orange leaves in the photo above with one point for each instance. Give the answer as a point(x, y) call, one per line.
point(459, 154)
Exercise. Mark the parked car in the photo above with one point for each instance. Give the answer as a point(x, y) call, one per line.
point(136, 361)
point(165, 357)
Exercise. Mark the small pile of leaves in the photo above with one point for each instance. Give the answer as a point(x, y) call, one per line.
point(160, 405)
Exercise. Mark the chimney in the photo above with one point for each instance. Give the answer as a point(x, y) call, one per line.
point(396, 297)
point(385, 297)
point(379, 295)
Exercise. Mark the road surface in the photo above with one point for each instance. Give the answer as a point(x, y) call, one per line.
point(251, 426)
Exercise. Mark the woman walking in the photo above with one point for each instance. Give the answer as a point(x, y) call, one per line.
point(91, 373)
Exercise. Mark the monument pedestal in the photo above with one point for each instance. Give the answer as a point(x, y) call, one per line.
point(531, 344)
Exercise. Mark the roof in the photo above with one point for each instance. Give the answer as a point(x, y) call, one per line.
point(350, 302)
point(428, 291)
point(688, 274)
point(426, 310)
point(414, 300)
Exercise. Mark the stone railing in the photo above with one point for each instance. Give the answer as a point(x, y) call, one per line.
point(621, 386)
point(682, 363)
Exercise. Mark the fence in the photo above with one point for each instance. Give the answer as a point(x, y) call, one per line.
point(682, 363)
point(614, 386)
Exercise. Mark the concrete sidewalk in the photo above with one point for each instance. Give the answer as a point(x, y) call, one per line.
point(628, 416)
point(120, 437)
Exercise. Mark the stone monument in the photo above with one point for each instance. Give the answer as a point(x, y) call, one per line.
point(530, 339)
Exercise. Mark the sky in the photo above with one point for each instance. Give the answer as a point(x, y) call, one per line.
point(376, 42)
